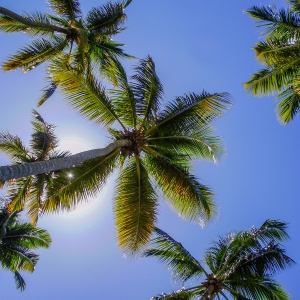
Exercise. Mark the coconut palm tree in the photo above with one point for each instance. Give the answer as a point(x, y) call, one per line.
point(85, 43)
point(153, 148)
point(16, 241)
point(240, 265)
point(279, 53)
point(33, 192)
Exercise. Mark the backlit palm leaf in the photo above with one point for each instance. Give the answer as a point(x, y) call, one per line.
point(135, 206)
point(192, 110)
point(184, 193)
point(67, 8)
point(147, 89)
point(35, 54)
point(80, 182)
point(8, 24)
point(86, 95)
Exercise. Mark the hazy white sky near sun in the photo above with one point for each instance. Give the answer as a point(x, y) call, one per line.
point(196, 45)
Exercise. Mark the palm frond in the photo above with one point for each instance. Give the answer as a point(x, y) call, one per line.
point(20, 282)
point(17, 258)
point(147, 89)
point(48, 91)
point(66, 8)
point(43, 139)
point(294, 5)
point(171, 253)
point(183, 192)
point(17, 193)
point(28, 236)
point(8, 24)
point(275, 52)
point(191, 111)
point(135, 206)
point(289, 104)
point(85, 94)
point(178, 295)
point(123, 97)
point(35, 54)
point(256, 288)
point(109, 16)
point(67, 188)
point(270, 80)
point(276, 22)
point(201, 144)
point(12, 146)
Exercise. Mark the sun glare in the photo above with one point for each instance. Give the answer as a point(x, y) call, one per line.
point(84, 209)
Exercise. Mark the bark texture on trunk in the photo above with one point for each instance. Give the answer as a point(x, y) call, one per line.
point(11, 14)
point(28, 169)
point(208, 292)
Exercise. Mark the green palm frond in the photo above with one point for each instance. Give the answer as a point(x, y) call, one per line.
point(280, 55)
point(276, 22)
point(122, 97)
point(35, 54)
point(277, 52)
point(192, 110)
point(147, 89)
point(86, 95)
point(28, 236)
point(68, 187)
point(66, 8)
point(102, 48)
point(135, 206)
point(289, 105)
point(17, 257)
point(270, 80)
point(256, 288)
point(109, 16)
point(17, 193)
point(8, 24)
point(185, 194)
point(12, 146)
point(201, 144)
point(171, 253)
point(294, 5)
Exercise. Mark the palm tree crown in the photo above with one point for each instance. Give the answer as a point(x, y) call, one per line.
point(240, 264)
point(279, 53)
point(34, 192)
point(162, 144)
point(16, 241)
point(82, 42)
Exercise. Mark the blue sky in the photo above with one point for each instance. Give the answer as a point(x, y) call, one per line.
point(196, 45)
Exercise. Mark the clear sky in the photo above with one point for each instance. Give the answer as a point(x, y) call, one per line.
point(196, 45)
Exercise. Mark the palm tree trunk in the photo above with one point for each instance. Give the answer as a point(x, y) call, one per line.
point(38, 167)
point(11, 14)
point(208, 292)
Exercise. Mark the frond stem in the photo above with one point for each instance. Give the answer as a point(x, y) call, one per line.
point(11, 14)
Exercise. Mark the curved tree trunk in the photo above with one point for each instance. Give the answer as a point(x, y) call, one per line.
point(38, 167)
point(208, 292)
point(11, 14)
